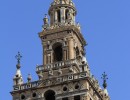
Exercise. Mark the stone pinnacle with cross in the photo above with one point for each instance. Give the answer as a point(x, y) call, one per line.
point(18, 57)
point(104, 77)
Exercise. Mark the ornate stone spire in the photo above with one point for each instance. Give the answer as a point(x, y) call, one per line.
point(18, 76)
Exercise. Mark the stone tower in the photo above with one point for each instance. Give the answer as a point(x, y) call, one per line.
point(64, 74)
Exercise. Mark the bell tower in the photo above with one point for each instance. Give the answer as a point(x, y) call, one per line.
point(65, 73)
point(62, 41)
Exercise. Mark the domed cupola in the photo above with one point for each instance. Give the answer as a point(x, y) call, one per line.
point(62, 12)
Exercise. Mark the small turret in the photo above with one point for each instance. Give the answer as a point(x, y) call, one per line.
point(46, 22)
point(18, 80)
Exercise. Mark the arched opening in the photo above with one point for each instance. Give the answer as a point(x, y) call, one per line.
point(58, 15)
point(77, 51)
point(49, 95)
point(57, 52)
point(65, 89)
point(66, 14)
point(77, 97)
point(22, 97)
point(77, 86)
point(34, 95)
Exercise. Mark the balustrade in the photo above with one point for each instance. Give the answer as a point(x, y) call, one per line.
point(56, 65)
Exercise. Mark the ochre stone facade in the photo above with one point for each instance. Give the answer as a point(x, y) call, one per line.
point(64, 74)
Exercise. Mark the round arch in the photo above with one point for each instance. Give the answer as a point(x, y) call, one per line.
point(57, 52)
point(49, 95)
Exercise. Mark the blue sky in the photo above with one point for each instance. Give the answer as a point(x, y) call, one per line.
point(105, 25)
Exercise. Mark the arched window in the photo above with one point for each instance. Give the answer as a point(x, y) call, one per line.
point(49, 95)
point(66, 14)
point(58, 15)
point(57, 52)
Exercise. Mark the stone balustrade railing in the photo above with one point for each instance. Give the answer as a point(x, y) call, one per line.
point(56, 65)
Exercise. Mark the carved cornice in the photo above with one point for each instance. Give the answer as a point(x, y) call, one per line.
point(62, 29)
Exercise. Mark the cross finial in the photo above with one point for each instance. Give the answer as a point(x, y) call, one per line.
point(45, 15)
point(18, 57)
point(105, 78)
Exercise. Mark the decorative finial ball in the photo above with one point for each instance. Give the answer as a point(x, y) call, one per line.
point(29, 77)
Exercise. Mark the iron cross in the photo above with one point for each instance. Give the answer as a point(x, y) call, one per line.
point(18, 57)
point(104, 77)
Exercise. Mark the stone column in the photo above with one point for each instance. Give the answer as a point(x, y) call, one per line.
point(48, 58)
point(65, 55)
point(52, 15)
point(56, 17)
point(52, 57)
point(71, 48)
point(62, 15)
point(44, 56)
point(74, 20)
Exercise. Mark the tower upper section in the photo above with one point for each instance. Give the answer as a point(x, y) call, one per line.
point(65, 73)
point(62, 13)
point(61, 37)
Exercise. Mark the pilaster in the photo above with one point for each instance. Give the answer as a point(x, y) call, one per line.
point(71, 48)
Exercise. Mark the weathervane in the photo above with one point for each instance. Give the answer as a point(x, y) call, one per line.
point(105, 78)
point(18, 57)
